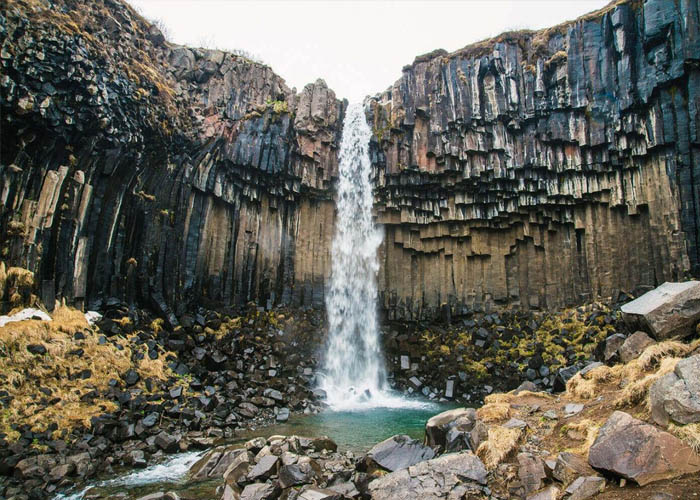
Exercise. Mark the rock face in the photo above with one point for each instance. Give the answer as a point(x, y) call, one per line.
point(670, 310)
point(676, 396)
point(539, 168)
point(638, 451)
point(533, 168)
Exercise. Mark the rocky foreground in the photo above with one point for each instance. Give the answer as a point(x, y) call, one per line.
point(81, 400)
point(523, 444)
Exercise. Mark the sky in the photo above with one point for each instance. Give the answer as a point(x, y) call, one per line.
point(358, 47)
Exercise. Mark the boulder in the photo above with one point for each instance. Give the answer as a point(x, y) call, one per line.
point(669, 310)
point(454, 475)
point(167, 442)
point(266, 466)
point(634, 345)
point(399, 452)
point(585, 487)
point(215, 462)
point(437, 427)
point(639, 451)
point(295, 474)
point(531, 472)
point(676, 395)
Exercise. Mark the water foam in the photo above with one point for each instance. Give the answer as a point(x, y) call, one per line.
point(354, 375)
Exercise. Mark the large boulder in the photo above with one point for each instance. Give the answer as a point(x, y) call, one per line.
point(640, 452)
point(531, 472)
point(455, 475)
point(399, 452)
point(669, 310)
point(676, 395)
point(450, 429)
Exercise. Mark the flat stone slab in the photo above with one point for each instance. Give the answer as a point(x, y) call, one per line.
point(669, 310)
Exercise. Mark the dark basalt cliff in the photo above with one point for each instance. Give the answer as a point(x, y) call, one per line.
point(538, 169)
point(136, 169)
point(544, 168)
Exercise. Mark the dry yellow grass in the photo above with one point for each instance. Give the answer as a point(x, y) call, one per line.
point(62, 386)
point(584, 430)
point(493, 412)
point(636, 376)
point(689, 433)
point(500, 443)
point(507, 397)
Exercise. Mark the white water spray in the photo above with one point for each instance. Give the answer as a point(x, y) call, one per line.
point(355, 375)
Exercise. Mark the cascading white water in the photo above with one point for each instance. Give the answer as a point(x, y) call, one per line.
point(354, 372)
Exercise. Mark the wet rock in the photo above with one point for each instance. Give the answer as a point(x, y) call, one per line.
point(585, 487)
point(669, 310)
point(638, 451)
point(282, 415)
point(60, 472)
point(399, 452)
point(136, 459)
point(676, 396)
point(215, 462)
point(449, 476)
point(634, 345)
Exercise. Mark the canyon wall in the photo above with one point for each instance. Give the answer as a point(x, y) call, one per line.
point(537, 169)
point(543, 169)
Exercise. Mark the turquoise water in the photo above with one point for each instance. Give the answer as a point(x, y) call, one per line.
point(356, 431)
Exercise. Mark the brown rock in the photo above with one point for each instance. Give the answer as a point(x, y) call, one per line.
point(531, 472)
point(570, 466)
point(638, 451)
point(634, 345)
point(676, 395)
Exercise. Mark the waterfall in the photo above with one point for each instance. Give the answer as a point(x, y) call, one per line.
point(354, 372)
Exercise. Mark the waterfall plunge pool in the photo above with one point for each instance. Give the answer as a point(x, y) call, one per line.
point(353, 430)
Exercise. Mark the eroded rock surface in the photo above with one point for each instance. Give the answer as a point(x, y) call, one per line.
point(638, 451)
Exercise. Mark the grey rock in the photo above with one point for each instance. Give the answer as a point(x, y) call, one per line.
point(638, 451)
point(570, 466)
point(676, 396)
point(531, 472)
point(585, 487)
point(449, 476)
point(266, 466)
point(260, 491)
point(438, 426)
point(612, 346)
point(672, 309)
point(399, 452)
point(572, 409)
